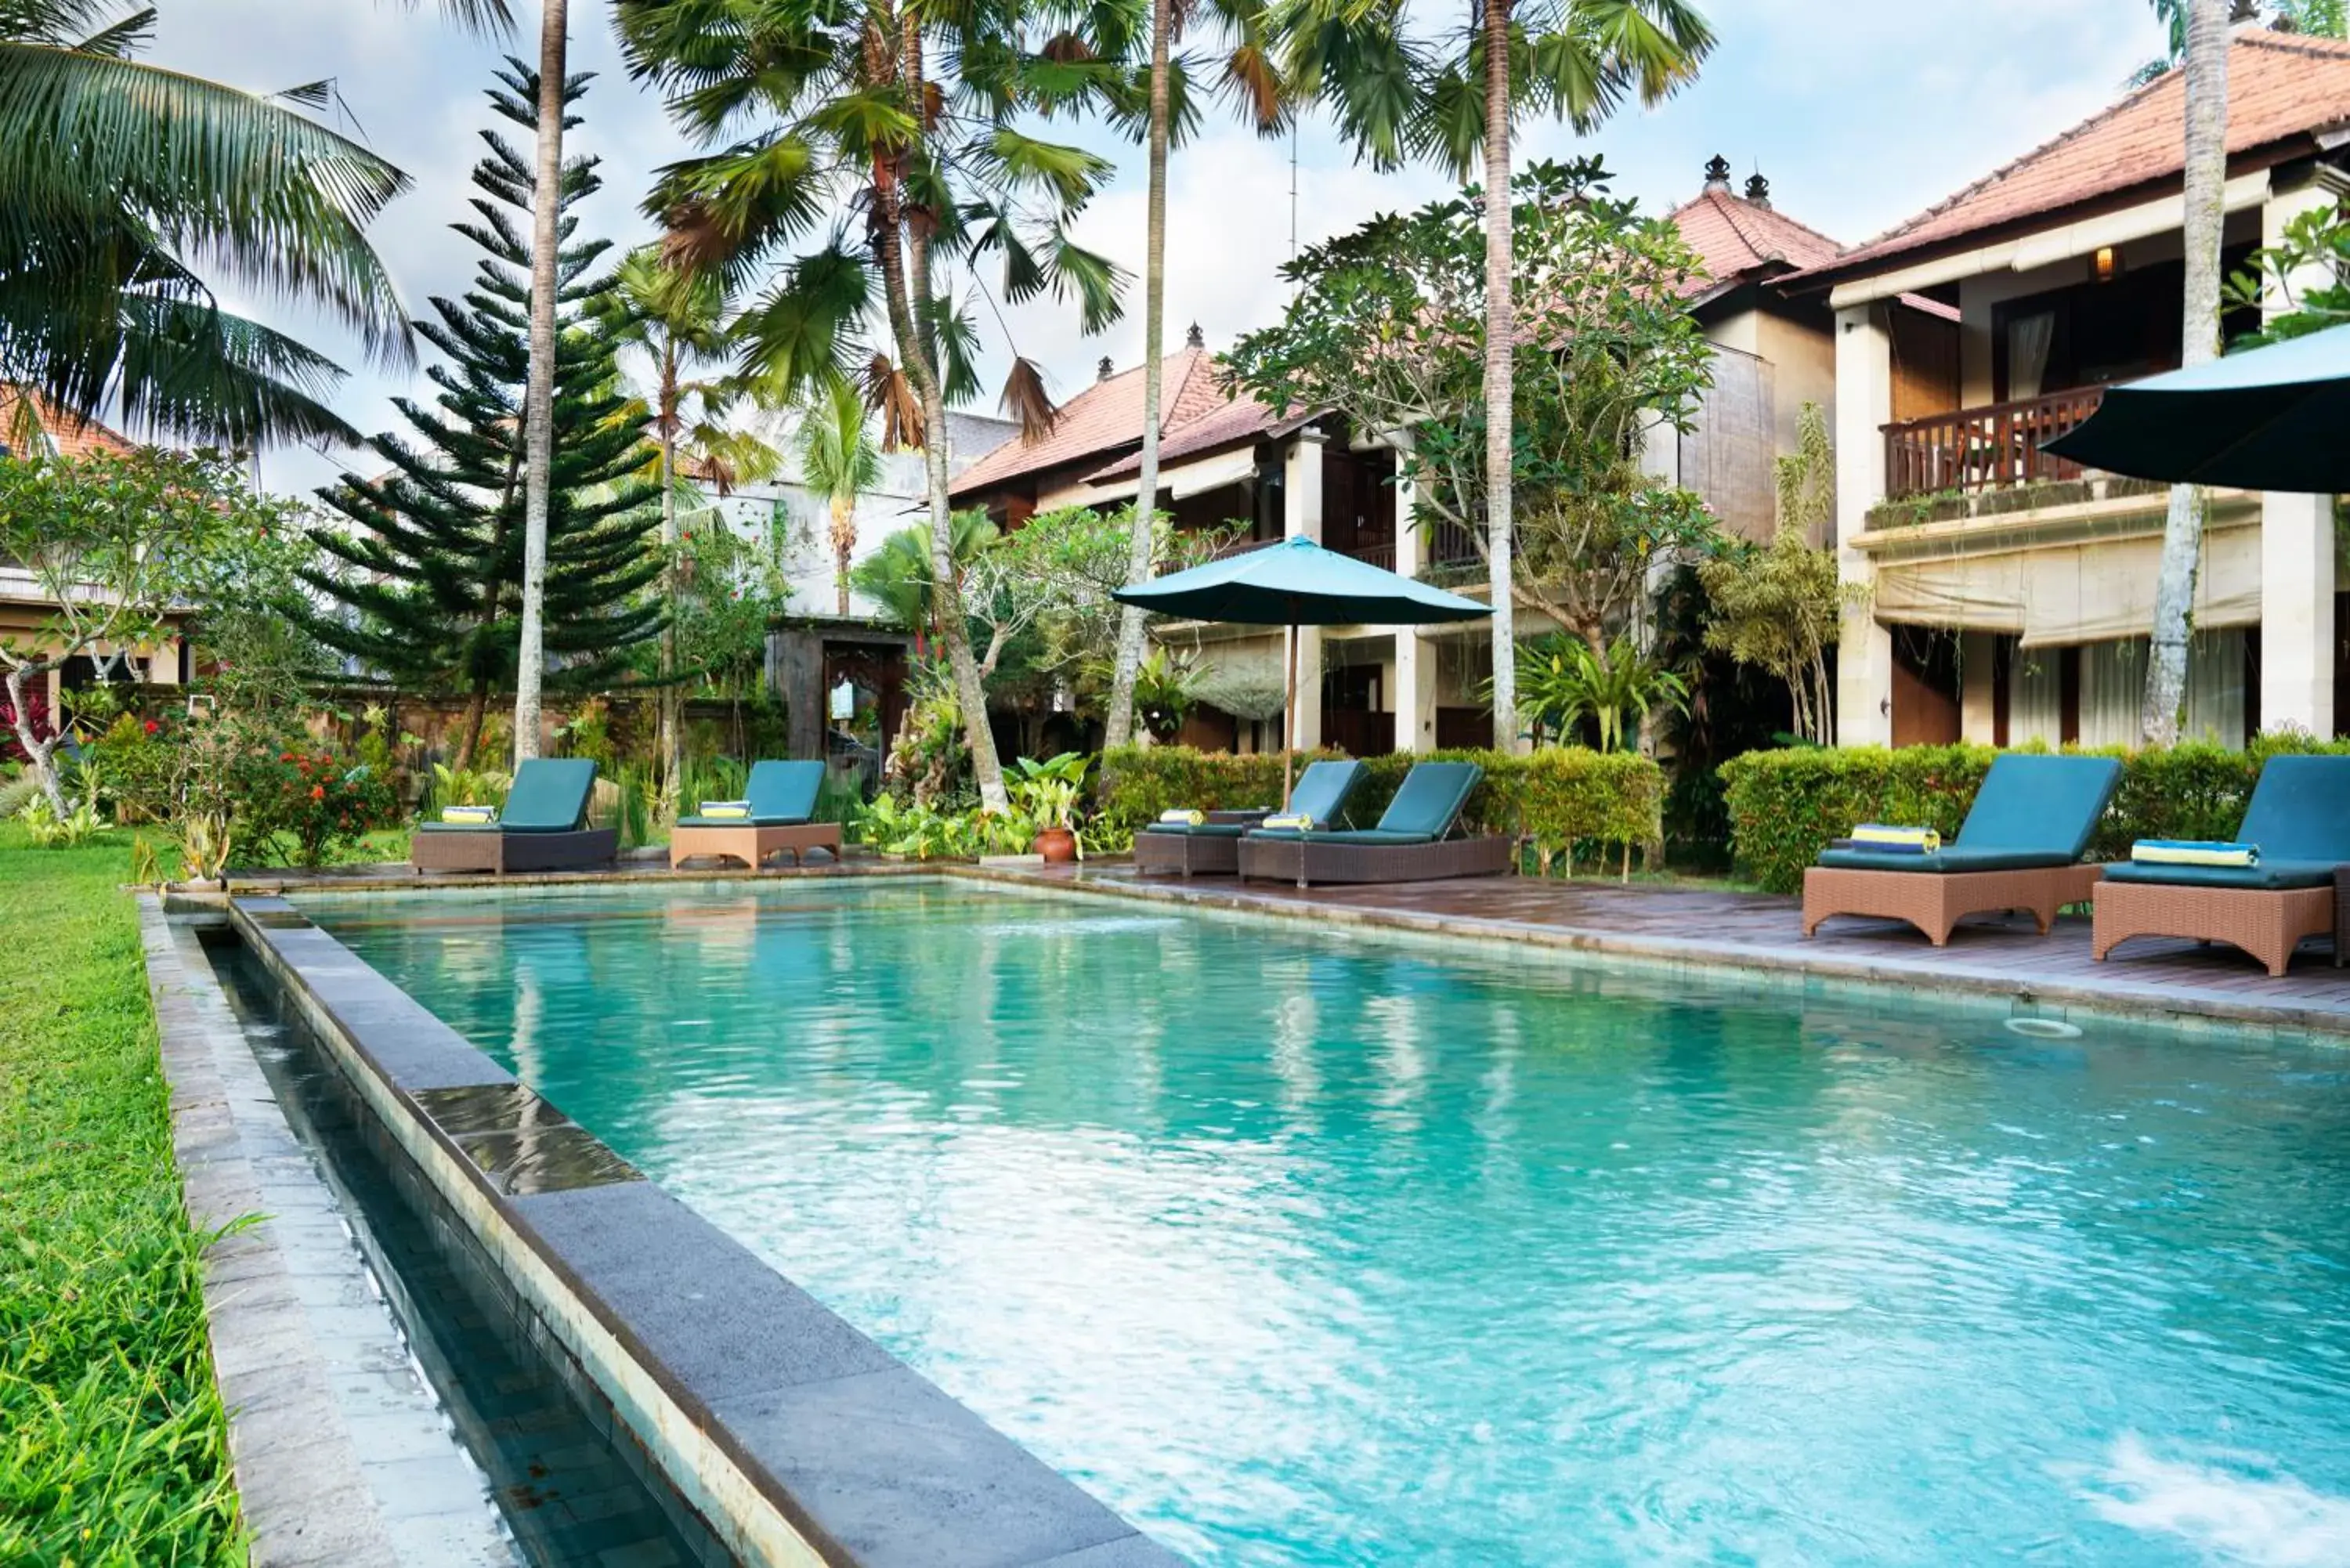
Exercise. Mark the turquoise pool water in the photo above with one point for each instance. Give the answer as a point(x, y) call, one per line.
point(1307, 1251)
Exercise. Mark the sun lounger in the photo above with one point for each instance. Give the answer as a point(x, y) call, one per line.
point(2299, 816)
point(540, 828)
point(2020, 848)
point(781, 799)
point(1412, 842)
point(1213, 847)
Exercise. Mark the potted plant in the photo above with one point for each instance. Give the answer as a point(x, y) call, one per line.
point(1046, 793)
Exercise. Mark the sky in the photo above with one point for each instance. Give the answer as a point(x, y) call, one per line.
point(1859, 112)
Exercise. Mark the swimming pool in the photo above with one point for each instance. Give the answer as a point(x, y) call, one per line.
point(1310, 1249)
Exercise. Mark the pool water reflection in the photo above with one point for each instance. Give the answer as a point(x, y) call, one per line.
point(1316, 1251)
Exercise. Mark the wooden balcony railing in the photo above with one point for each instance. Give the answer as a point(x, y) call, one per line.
point(1448, 544)
point(1988, 448)
point(1381, 554)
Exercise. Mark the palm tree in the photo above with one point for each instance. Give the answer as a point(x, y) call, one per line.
point(680, 319)
point(126, 184)
point(911, 119)
point(1249, 76)
point(539, 397)
point(839, 461)
point(1455, 97)
point(2206, 181)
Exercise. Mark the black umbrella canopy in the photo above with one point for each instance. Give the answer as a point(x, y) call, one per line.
point(2275, 418)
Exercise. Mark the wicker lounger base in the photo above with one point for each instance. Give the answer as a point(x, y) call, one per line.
point(1307, 861)
point(1193, 854)
point(752, 844)
point(2266, 923)
point(1934, 901)
point(504, 851)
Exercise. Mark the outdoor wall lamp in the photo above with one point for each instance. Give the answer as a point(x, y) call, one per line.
point(2108, 264)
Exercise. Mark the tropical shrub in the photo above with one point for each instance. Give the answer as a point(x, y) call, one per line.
point(48, 830)
point(1785, 806)
point(321, 802)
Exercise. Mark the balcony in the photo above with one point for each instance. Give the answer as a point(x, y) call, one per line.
point(1995, 447)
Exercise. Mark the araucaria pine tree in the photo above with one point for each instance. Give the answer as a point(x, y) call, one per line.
point(434, 569)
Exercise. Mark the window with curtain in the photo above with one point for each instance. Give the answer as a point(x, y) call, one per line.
point(2029, 339)
point(2035, 697)
point(2215, 688)
point(2113, 691)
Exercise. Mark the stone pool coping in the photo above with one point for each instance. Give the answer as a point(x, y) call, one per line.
point(341, 1453)
point(798, 1440)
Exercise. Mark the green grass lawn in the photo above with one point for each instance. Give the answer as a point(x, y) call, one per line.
point(113, 1446)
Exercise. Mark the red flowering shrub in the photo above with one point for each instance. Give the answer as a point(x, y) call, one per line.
point(322, 802)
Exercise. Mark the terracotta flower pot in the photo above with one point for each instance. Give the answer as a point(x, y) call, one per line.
point(1058, 846)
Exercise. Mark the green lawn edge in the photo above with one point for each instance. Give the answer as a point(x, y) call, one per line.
point(113, 1443)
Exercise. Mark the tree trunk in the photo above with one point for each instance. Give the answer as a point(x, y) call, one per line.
point(1501, 345)
point(905, 269)
point(1118, 730)
point(672, 758)
point(844, 545)
point(538, 400)
point(469, 745)
point(2182, 532)
point(41, 755)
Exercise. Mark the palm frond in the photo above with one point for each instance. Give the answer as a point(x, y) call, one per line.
point(1025, 399)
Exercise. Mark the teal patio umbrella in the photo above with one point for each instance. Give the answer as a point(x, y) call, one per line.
point(1298, 582)
point(2268, 419)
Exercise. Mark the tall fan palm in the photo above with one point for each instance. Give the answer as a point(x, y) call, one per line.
point(680, 320)
point(840, 462)
point(538, 400)
point(1251, 82)
point(2206, 179)
point(125, 185)
point(913, 120)
point(1453, 97)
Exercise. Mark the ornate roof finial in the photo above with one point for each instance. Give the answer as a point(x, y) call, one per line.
point(1717, 175)
point(1105, 370)
point(1193, 338)
point(1758, 189)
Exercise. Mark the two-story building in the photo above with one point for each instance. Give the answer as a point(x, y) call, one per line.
point(2008, 596)
point(1230, 462)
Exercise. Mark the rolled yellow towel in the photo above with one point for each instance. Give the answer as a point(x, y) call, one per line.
point(1297, 824)
point(2193, 852)
point(727, 810)
point(1878, 834)
point(1183, 817)
point(469, 816)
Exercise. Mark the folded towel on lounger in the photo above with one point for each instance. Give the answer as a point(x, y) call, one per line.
point(1183, 817)
point(2193, 852)
point(1899, 840)
point(1293, 823)
point(469, 816)
point(1874, 847)
point(729, 810)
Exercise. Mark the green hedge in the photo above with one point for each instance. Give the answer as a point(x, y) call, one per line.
point(1561, 801)
point(1785, 807)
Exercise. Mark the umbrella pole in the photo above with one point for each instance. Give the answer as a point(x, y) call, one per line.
point(1289, 722)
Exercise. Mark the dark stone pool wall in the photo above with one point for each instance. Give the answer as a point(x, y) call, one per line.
point(797, 1437)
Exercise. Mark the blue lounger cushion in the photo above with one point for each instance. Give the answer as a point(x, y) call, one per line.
point(781, 794)
point(2300, 817)
point(1955, 859)
point(1423, 812)
point(2032, 812)
point(2268, 877)
point(549, 795)
point(1321, 792)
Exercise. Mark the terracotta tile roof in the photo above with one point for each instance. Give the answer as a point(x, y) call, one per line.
point(2280, 87)
point(1105, 418)
point(1243, 419)
point(72, 435)
point(1737, 238)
